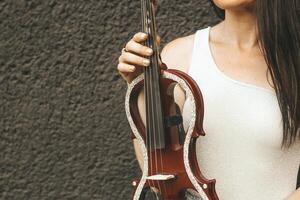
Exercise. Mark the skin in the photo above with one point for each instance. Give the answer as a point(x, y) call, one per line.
point(235, 37)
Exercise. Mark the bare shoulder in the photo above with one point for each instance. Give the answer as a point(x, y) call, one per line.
point(177, 54)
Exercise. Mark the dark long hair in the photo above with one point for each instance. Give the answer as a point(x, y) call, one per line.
point(279, 37)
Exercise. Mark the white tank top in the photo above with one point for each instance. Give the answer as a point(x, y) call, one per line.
point(243, 126)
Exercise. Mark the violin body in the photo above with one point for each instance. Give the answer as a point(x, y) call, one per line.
point(170, 166)
point(177, 159)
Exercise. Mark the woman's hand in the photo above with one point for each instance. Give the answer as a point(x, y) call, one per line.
point(134, 57)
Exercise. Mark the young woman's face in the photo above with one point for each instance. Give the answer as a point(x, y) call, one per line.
point(234, 4)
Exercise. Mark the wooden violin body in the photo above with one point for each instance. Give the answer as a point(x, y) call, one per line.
point(170, 166)
point(178, 160)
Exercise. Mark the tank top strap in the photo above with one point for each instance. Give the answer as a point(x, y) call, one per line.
point(200, 56)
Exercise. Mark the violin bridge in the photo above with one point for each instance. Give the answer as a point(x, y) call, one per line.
point(161, 177)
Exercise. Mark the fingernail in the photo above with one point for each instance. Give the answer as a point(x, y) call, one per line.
point(149, 51)
point(146, 62)
point(144, 35)
point(131, 68)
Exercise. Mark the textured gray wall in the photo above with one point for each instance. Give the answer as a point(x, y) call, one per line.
point(64, 134)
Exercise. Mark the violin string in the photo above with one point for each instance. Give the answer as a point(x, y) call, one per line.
point(156, 75)
point(145, 71)
point(153, 84)
point(151, 104)
point(152, 81)
point(157, 82)
point(146, 86)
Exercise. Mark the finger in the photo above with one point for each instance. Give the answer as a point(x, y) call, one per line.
point(139, 49)
point(140, 37)
point(125, 76)
point(133, 59)
point(125, 68)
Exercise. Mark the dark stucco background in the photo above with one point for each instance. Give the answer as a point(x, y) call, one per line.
point(63, 130)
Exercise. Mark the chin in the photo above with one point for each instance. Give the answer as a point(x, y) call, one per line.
point(234, 4)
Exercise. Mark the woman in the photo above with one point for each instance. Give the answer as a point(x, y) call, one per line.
point(248, 69)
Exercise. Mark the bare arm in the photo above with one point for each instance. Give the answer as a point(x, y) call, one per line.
point(295, 195)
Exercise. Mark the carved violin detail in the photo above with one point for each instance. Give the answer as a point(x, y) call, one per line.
point(170, 167)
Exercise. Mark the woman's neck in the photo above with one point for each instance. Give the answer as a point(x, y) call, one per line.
point(239, 28)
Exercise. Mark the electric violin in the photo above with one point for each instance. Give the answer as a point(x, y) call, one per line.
point(170, 168)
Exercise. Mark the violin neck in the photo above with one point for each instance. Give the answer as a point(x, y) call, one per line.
point(149, 24)
point(154, 113)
